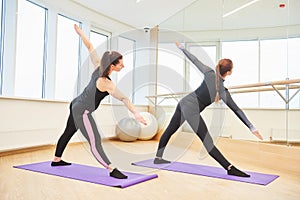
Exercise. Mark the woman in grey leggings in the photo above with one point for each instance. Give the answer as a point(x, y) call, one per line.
point(81, 107)
point(190, 107)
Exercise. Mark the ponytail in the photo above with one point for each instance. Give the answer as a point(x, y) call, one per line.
point(105, 63)
point(217, 97)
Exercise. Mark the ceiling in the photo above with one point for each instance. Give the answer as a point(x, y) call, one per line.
point(145, 13)
point(191, 15)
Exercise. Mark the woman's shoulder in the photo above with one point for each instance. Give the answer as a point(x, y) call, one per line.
point(104, 80)
point(104, 84)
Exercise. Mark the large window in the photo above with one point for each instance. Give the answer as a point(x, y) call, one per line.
point(99, 41)
point(273, 60)
point(264, 61)
point(67, 59)
point(245, 58)
point(293, 58)
point(274, 65)
point(279, 61)
point(29, 76)
point(126, 76)
point(170, 72)
point(294, 68)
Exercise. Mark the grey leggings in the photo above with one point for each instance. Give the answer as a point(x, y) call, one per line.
point(82, 119)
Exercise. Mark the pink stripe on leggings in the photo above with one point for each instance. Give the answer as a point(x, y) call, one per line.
point(90, 132)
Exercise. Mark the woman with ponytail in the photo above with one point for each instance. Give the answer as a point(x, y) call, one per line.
point(189, 109)
point(81, 107)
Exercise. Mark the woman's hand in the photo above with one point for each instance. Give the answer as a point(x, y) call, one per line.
point(177, 43)
point(139, 118)
point(78, 30)
point(257, 134)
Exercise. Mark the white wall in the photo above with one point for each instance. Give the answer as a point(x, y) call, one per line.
point(279, 124)
point(273, 124)
point(27, 123)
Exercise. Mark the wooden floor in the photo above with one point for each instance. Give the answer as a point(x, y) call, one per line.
point(16, 184)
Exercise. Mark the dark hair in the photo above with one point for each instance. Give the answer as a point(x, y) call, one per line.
point(222, 68)
point(108, 59)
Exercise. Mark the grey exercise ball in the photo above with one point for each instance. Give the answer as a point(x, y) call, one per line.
point(128, 129)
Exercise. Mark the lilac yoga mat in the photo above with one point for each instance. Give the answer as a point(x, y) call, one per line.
point(215, 172)
point(87, 173)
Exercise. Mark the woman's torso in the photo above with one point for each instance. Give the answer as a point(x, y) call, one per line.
point(206, 92)
point(91, 96)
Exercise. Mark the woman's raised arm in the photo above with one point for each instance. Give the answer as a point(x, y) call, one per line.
point(94, 56)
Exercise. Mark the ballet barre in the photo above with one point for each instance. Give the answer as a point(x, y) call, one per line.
point(276, 86)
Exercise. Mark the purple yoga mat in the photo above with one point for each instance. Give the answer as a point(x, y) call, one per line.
point(87, 173)
point(215, 172)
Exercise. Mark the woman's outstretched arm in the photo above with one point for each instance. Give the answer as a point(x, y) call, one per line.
point(94, 56)
point(85, 40)
point(226, 97)
point(202, 67)
point(110, 87)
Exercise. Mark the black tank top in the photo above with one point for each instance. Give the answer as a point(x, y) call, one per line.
point(91, 97)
